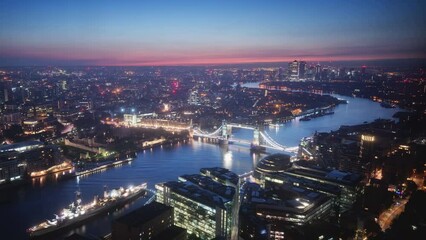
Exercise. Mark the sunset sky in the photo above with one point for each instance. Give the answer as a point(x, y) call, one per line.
point(183, 32)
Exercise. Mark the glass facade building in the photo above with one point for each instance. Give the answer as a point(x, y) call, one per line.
point(202, 212)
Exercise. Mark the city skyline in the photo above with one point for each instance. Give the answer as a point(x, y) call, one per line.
point(202, 33)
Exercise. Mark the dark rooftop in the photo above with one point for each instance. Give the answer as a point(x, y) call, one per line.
point(207, 183)
point(77, 236)
point(332, 175)
point(143, 214)
point(170, 233)
point(221, 173)
point(274, 163)
point(18, 146)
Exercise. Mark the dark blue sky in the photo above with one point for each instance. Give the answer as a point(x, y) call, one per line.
point(202, 32)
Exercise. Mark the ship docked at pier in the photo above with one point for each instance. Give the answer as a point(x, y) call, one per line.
point(76, 212)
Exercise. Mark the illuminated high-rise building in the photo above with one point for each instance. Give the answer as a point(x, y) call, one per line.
point(302, 70)
point(293, 70)
point(318, 69)
point(318, 72)
point(366, 148)
point(280, 73)
point(363, 69)
point(194, 98)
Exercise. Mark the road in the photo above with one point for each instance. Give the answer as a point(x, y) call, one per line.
point(386, 218)
point(237, 204)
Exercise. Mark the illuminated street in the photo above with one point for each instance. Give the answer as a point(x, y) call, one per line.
point(386, 218)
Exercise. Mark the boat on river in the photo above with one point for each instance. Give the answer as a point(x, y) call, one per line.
point(76, 212)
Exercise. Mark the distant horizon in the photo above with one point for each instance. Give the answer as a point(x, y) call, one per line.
point(191, 32)
point(394, 62)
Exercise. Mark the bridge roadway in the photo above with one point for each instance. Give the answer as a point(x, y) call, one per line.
point(165, 127)
point(244, 126)
point(268, 141)
point(293, 149)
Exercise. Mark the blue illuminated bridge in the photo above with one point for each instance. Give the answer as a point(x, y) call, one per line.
point(260, 137)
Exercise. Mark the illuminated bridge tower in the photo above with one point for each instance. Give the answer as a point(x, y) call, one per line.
point(257, 140)
point(226, 133)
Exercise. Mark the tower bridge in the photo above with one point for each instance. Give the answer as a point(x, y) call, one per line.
point(261, 139)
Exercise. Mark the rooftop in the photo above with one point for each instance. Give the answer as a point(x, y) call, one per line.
point(332, 175)
point(221, 173)
point(20, 146)
point(196, 193)
point(170, 233)
point(207, 183)
point(319, 186)
point(144, 214)
point(274, 163)
point(293, 199)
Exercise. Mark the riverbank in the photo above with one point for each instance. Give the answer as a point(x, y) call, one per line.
point(30, 203)
point(330, 88)
point(103, 167)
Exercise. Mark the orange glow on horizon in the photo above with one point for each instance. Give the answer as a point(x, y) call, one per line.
point(224, 61)
point(116, 57)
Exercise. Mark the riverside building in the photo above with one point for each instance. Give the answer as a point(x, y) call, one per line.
point(202, 206)
point(268, 213)
point(277, 170)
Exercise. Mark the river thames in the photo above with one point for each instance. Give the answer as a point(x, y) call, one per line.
point(34, 203)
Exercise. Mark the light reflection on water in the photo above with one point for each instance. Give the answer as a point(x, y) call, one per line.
point(39, 201)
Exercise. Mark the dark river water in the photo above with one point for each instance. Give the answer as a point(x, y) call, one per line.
point(34, 203)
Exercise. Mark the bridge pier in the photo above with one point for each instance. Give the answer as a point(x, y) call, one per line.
point(261, 140)
point(223, 142)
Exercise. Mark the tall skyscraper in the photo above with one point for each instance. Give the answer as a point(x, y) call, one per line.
point(367, 145)
point(363, 68)
point(280, 73)
point(318, 72)
point(318, 69)
point(4, 92)
point(293, 70)
point(302, 70)
point(341, 73)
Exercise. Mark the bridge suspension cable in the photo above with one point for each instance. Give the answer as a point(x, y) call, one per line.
point(271, 141)
point(201, 133)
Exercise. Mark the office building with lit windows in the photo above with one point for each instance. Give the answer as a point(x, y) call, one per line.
point(367, 146)
point(293, 70)
point(342, 186)
point(221, 175)
point(297, 70)
point(202, 206)
point(18, 159)
point(269, 213)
